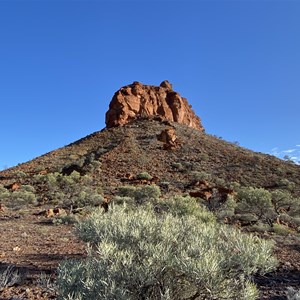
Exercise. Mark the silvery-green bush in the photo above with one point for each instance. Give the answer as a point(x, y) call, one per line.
point(184, 206)
point(140, 254)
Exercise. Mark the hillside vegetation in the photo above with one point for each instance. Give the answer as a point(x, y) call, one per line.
point(170, 216)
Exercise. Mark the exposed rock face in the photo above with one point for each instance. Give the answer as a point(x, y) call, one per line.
point(141, 101)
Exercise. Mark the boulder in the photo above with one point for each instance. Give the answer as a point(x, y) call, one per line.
point(169, 138)
point(137, 100)
point(14, 186)
point(2, 208)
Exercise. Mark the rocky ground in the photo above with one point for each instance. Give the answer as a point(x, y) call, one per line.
point(274, 285)
point(32, 247)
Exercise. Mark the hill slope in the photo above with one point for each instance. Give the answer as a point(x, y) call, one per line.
point(134, 148)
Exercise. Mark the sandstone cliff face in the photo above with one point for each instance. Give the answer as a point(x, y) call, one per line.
point(141, 101)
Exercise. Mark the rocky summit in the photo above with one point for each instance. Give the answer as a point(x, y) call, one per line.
point(136, 101)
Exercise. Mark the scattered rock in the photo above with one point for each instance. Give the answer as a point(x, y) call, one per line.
point(207, 192)
point(13, 187)
point(43, 172)
point(55, 212)
point(52, 212)
point(201, 194)
point(146, 101)
point(169, 138)
point(2, 208)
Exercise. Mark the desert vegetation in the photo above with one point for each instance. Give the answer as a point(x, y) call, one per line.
point(169, 250)
point(69, 191)
point(19, 198)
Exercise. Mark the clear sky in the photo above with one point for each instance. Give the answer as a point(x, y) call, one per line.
point(237, 62)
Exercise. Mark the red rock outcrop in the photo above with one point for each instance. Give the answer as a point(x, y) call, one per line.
point(141, 101)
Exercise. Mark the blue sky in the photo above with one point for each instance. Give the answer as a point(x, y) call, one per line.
point(237, 62)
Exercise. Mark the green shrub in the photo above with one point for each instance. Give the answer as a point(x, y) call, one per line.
point(286, 184)
point(165, 186)
point(295, 208)
point(197, 176)
point(4, 193)
point(21, 197)
point(19, 174)
point(260, 227)
point(187, 165)
point(282, 200)
point(139, 254)
point(281, 229)
point(119, 200)
point(144, 176)
point(140, 195)
point(18, 198)
point(246, 218)
point(295, 221)
point(28, 188)
point(203, 156)
point(126, 191)
point(255, 201)
point(146, 193)
point(234, 185)
point(219, 181)
point(177, 166)
point(227, 209)
point(185, 206)
point(70, 191)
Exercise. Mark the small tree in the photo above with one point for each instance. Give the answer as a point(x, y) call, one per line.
point(282, 201)
point(257, 201)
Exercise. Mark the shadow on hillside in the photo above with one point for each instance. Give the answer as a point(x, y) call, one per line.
point(295, 247)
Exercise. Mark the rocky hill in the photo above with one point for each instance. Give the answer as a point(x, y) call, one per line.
point(146, 133)
point(152, 137)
